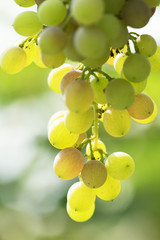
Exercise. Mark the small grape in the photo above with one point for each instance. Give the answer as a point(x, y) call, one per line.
point(25, 3)
point(53, 60)
point(98, 86)
point(59, 114)
point(30, 49)
point(146, 45)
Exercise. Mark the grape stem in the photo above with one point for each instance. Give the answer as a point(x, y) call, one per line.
point(95, 127)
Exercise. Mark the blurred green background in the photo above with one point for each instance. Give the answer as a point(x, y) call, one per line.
point(33, 199)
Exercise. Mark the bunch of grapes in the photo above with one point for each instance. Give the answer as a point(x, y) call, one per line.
point(89, 33)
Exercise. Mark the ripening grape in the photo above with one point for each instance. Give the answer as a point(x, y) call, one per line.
point(94, 174)
point(52, 40)
point(87, 12)
point(97, 62)
point(136, 67)
point(98, 87)
point(120, 93)
point(68, 78)
point(146, 45)
point(136, 13)
point(142, 107)
point(110, 189)
point(80, 216)
point(30, 49)
point(114, 6)
point(53, 60)
point(116, 123)
point(56, 75)
point(13, 60)
point(119, 61)
point(68, 163)
point(97, 148)
point(37, 57)
point(25, 3)
point(82, 136)
point(59, 136)
point(120, 165)
point(52, 12)
point(152, 3)
point(79, 122)
point(155, 61)
point(80, 197)
point(27, 23)
point(59, 114)
point(90, 42)
point(78, 96)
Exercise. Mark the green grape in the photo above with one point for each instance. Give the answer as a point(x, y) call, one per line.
point(119, 61)
point(114, 6)
point(97, 147)
point(105, 25)
point(25, 3)
point(116, 123)
point(52, 12)
point(120, 165)
point(13, 60)
point(78, 96)
point(53, 60)
point(68, 78)
point(142, 107)
point(146, 45)
point(79, 122)
point(55, 116)
point(98, 87)
point(27, 24)
point(96, 62)
point(120, 93)
point(155, 61)
point(56, 75)
point(152, 3)
point(37, 57)
point(87, 12)
point(59, 136)
point(80, 216)
point(80, 197)
point(82, 136)
point(122, 38)
point(110, 189)
point(29, 49)
point(136, 13)
point(148, 119)
point(136, 67)
point(52, 40)
point(90, 42)
point(94, 174)
point(68, 163)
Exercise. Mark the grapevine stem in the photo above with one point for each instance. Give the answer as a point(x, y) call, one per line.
point(95, 127)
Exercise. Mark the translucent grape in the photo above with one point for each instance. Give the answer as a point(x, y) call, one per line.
point(52, 12)
point(68, 78)
point(120, 165)
point(116, 123)
point(30, 49)
point(80, 197)
point(136, 13)
point(56, 75)
point(94, 174)
point(87, 12)
point(52, 40)
point(146, 45)
point(59, 136)
point(25, 3)
point(13, 60)
point(37, 57)
point(82, 136)
point(96, 62)
point(53, 60)
point(78, 96)
point(97, 147)
point(155, 61)
point(136, 67)
point(110, 189)
point(59, 114)
point(120, 93)
point(68, 163)
point(119, 61)
point(114, 6)
point(142, 107)
point(98, 87)
point(79, 122)
point(27, 23)
point(86, 47)
point(80, 216)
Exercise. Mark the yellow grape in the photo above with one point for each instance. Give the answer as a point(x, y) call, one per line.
point(53, 60)
point(82, 136)
point(25, 3)
point(96, 147)
point(80, 216)
point(68, 163)
point(98, 87)
point(80, 197)
point(116, 122)
point(119, 61)
point(110, 189)
point(55, 116)
point(59, 136)
point(30, 49)
point(13, 60)
point(155, 61)
point(56, 75)
point(37, 57)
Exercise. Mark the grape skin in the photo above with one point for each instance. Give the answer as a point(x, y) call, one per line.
point(25, 3)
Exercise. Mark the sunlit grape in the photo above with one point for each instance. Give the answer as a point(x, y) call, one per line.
point(98, 86)
point(119, 61)
point(53, 60)
point(55, 116)
point(25, 3)
point(30, 49)
point(37, 57)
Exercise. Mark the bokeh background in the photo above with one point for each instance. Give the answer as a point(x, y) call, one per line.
point(32, 198)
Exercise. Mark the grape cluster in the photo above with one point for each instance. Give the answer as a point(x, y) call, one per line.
point(89, 33)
